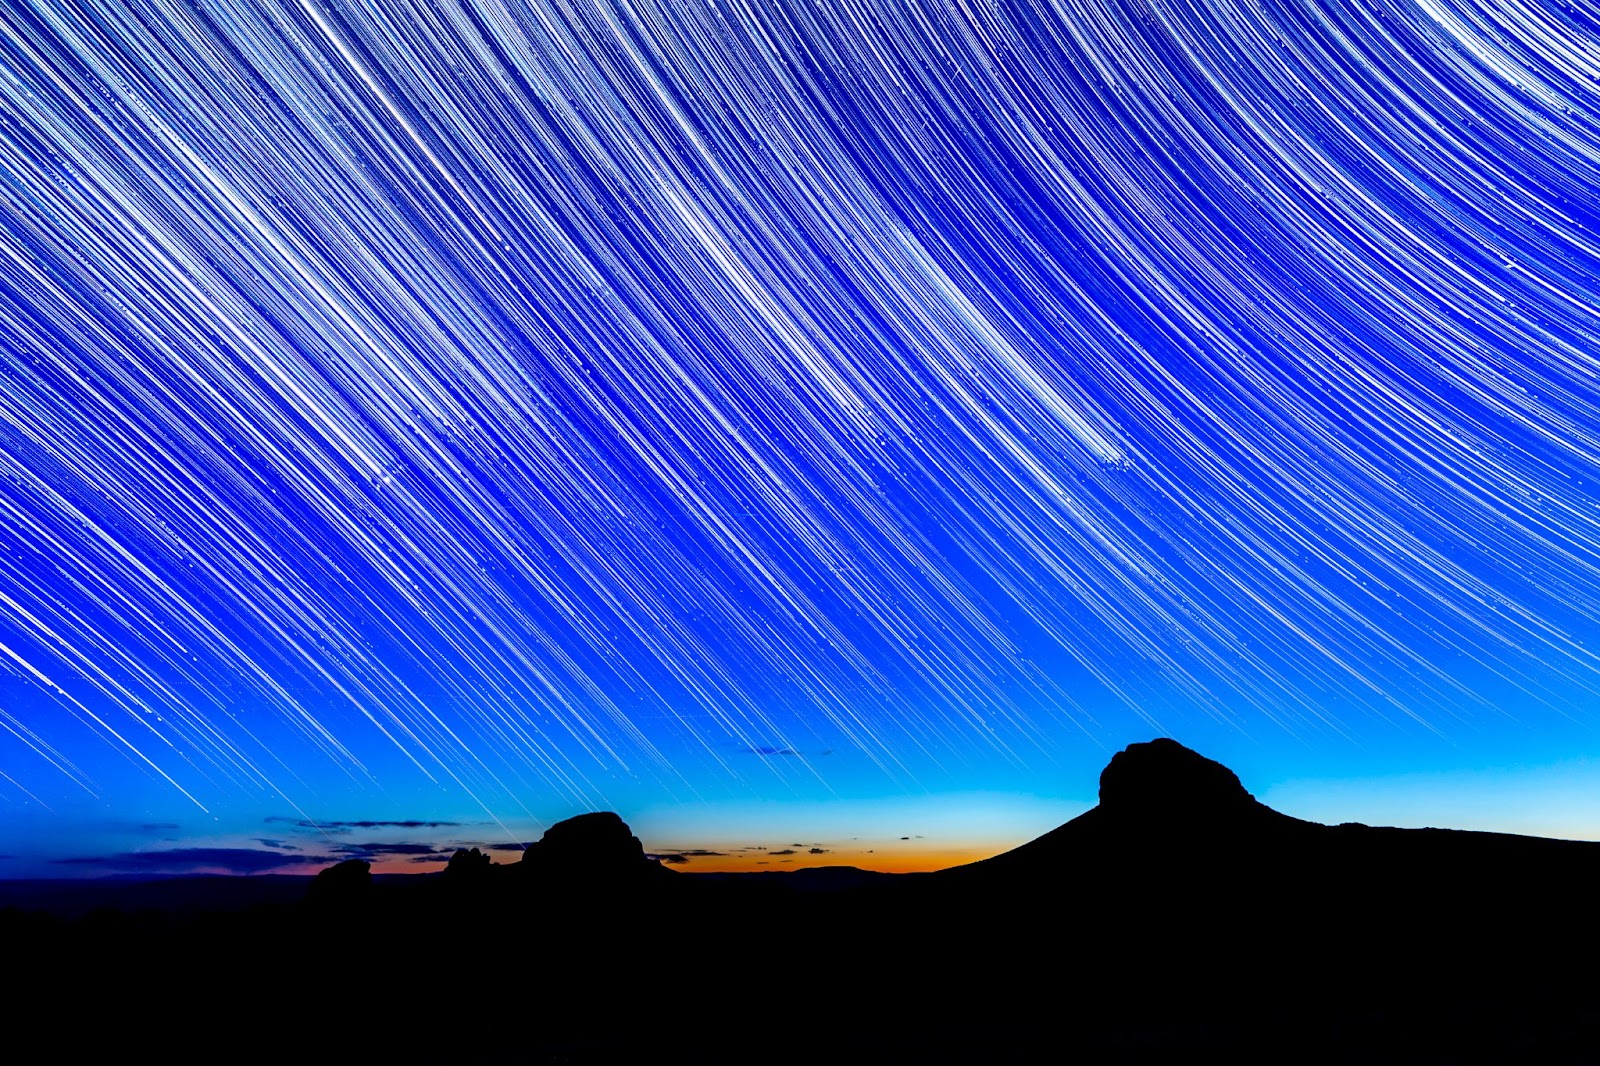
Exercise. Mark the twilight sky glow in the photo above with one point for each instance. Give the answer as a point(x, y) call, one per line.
point(821, 429)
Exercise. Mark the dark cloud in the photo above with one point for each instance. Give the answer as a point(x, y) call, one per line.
point(326, 828)
point(783, 851)
point(374, 848)
point(268, 842)
point(683, 855)
point(188, 860)
point(786, 860)
point(905, 838)
point(428, 858)
point(818, 851)
point(158, 827)
point(754, 847)
point(509, 847)
point(365, 823)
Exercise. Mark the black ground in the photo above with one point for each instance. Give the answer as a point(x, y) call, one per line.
point(1178, 921)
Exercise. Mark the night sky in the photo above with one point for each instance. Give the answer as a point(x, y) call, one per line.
point(818, 431)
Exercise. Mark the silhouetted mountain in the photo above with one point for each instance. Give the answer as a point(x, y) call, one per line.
point(1167, 812)
point(596, 847)
point(1179, 919)
point(1162, 778)
point(1158, 801)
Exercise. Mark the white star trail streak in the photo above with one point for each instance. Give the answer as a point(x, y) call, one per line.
point(558, 394)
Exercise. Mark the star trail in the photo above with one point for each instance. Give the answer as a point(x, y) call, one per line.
point(552, 402)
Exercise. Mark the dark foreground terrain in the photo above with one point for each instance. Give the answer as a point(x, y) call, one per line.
point(1180, 920)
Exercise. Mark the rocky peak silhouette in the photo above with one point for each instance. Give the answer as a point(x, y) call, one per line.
point(1161, 804)
point(590, 845)
point(1163, 778)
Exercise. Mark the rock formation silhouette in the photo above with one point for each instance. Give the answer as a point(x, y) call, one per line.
point(345, 882)
point(1179, 919)
point(1163, 779)
point(591, 848)
point(466, 863)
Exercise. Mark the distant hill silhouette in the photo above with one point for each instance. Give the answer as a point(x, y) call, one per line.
point(1178, 920)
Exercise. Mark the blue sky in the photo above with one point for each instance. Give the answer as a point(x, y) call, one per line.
point(480, 415)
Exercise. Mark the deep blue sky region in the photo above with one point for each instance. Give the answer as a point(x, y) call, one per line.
point(832, 423)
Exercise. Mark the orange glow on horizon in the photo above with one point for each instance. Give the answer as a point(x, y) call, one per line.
point(901, 860)
point(891, 860)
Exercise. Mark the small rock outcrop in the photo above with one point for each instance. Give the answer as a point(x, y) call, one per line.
point(345, 882)
point(465, 864)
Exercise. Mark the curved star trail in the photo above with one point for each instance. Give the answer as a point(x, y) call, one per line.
point(544, 393)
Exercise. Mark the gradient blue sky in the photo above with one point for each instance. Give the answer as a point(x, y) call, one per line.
point(787, 424)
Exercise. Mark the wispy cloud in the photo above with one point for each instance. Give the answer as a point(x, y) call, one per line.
point(364, 823)
point(374, 848)
point(679, 856)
